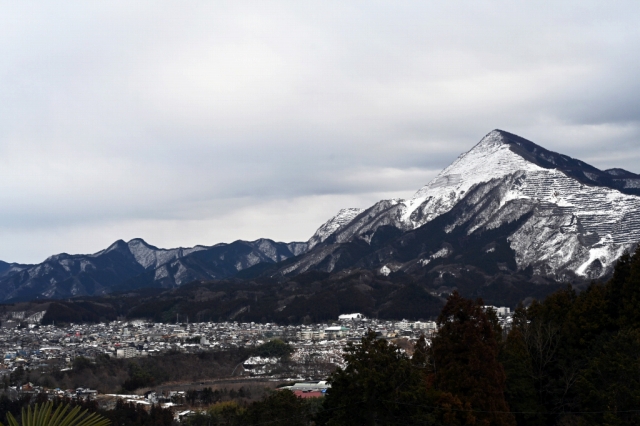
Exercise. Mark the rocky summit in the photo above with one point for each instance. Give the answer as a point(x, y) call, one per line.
point(561, 218)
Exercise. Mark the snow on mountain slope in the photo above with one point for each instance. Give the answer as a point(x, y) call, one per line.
point(298, 248)
point(11, 268)
point(624, 178)
point(583, 228)
point(491, 158)
point(343, 217)
point(151, 257)
point(138, 264)
point(578, 221)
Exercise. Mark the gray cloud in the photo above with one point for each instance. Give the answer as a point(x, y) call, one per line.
point(207, 122)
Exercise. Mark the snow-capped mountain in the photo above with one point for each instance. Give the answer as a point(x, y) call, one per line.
point(506, 208)
point(344, 217)
point(575, 219)
point(135, 264)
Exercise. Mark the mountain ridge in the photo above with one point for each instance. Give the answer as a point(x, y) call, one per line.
point(505, 207)
point(576, 227)
point(65, 275)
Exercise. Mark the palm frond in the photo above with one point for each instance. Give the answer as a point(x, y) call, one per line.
point(41, 416)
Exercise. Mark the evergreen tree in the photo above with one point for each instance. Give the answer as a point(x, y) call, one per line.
point(379, 385)
point(520, 389)
point(589, 317)
point(420, 353)
point(465, 355)
point(280, 408)
point(615, 286)
point(630, 310)
point(610, 383)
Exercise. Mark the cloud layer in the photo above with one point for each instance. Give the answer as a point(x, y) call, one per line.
point(211, 121)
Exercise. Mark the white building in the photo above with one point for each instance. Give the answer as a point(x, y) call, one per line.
point(128, 352)
point(501, 311)
point(351, 317)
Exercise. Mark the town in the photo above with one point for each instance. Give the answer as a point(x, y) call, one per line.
point(27, 346)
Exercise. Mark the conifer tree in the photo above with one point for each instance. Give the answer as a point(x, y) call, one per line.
point(420, 355)
point(465, 354)
point(609, 384)
point(379, 385)
point(630, 312)
point(520, 389)
point(615, 297)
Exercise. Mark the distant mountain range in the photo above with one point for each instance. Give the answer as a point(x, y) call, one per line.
point(508, 210)
point(135, 264)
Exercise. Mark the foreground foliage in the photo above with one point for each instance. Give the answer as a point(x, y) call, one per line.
point(124, 414)
point(42, 415)
point(575, 358)
point(572, 359)
point(379, 385)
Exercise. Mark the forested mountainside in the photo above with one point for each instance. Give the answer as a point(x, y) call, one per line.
point(306, 298)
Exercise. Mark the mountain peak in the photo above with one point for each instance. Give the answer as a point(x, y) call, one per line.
point(334, 224)
point(492, 157)
point(517, 144)
point(493, 138)
point(119, 245)
point(492, 150)
point(139, 242)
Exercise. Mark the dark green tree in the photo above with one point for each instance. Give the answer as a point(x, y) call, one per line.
point(466, 366)
point(610, 382)
point(379, 385)
point(616, 286)
point(420, 358)
point(274, 348)
point(630, 310)
point(280, 408)
point(520, 391)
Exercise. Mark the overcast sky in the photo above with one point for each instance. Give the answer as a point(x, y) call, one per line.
point(190, 123)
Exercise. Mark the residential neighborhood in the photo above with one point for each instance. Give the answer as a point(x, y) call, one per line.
point(26, 345)
point(24, 342)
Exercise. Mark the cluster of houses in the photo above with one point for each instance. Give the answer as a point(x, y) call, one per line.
point(31, 345)
point(318, 348)
point(23, 341)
